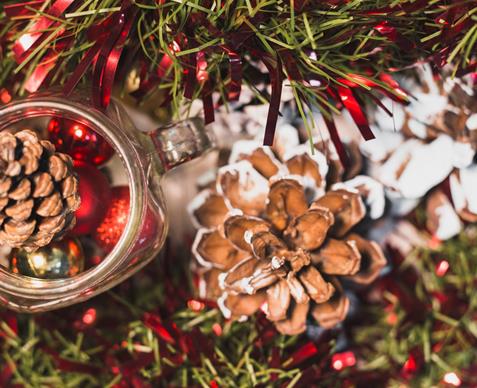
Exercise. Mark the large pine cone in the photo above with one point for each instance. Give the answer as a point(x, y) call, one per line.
point(38, 191)
point(271, 238)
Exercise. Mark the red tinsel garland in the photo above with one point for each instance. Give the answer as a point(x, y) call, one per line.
point(111, 34)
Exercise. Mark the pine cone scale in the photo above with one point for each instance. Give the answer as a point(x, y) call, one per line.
point(297, 290)
point(316, 286)
point(5, 185)
point(278, 301)
point(3, 202)
point(21, 211)
point(8, 146)
point(43, 185)
point(22, 191)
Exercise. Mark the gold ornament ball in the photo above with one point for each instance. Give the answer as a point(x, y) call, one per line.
point(60, 259)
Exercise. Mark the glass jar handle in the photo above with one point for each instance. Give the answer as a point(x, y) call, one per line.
point(180, 142)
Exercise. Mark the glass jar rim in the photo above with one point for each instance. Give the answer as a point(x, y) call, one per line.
point(53, 289)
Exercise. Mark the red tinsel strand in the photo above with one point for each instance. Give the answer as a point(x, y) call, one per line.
point(34, 37)
point(115, 30)
point(235, 68)
point(276, 78)
point(109, 55)
point(355, 109)
point(20, 10)
point(70, 366)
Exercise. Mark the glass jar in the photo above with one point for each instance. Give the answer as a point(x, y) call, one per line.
point(145, 158)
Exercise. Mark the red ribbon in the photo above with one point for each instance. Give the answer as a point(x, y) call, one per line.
point(20, 10)
point(154, 322)
point(190, 76)
point(34, 36)
point(302, 354)
point(390, 32)
point(235, 69)
point(290, 64)
point(276, 78)
point(5, 375)
point(202, 76)
point(71, 366)
point(107, 51)
point(354, 107)
point(335, 139)
point(108, 59)
point(347, 95)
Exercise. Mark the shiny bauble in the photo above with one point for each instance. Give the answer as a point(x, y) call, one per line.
point(80, 142)
point(58, 260)
point(109, 232)
point(95, 193)
point(111, 228)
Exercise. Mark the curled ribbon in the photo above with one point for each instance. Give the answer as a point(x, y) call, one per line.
point(109, 54)
point(105, 53)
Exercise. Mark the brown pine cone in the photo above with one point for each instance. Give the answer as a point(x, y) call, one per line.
point(271, 238)
point(38, 191)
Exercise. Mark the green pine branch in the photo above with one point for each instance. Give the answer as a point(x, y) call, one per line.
point(343, 37)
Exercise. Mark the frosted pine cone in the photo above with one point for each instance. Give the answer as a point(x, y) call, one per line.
point(432, 158)
point(38, 191)
point(271, 238)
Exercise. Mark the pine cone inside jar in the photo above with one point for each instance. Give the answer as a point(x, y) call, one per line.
point(272, 237)
point(38, 191)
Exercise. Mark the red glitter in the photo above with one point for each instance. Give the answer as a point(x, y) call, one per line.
point(111, 228)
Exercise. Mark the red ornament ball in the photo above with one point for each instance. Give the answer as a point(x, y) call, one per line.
point(95, 192)
point(109, 231)
point(80, 142)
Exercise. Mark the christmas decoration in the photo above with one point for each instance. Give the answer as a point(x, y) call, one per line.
point(273, 239)
point(63, 259)
point(111, 227)
point(134, 226)
point(119, 334)
point(285, 234)
point(95, 192)
point(38, 191)
point(80, 142)
point(424, 330)
point(109, 231)
point(433, 157)
point(209, 49)
point(413, 336)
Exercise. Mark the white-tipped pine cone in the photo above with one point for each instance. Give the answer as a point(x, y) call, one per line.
point(271, 236)
point(427, 153)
